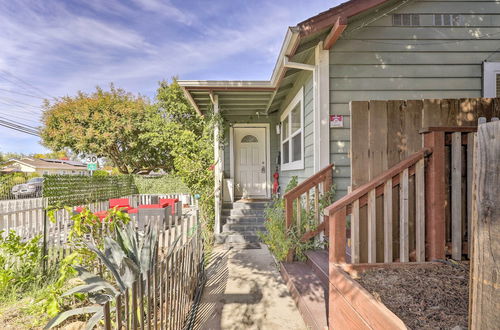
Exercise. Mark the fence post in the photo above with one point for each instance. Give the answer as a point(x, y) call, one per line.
point(337, 237)
point(484, 298)
point(435, 196)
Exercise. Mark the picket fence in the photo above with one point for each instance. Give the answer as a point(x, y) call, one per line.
point(162, 299)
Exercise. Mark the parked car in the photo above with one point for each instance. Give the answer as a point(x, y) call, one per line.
point(32, 188)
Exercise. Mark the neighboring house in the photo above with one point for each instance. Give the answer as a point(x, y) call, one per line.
point(45, 166)
point(360, 50)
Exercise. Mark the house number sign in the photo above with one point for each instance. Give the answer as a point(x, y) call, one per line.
point(336, 121)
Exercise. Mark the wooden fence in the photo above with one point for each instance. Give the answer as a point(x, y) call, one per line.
point(28, 217)
point(162, 298)
point(384, 133)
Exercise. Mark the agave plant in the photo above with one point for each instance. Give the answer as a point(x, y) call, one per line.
point(131, 254)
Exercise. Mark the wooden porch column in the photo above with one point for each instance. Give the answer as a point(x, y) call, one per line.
point(435, 197)
point(217, 170)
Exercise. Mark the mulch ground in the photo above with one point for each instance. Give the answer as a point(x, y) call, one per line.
point(423, 298)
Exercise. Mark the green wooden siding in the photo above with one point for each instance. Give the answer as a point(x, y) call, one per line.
point(377, 61)
point(308, 170)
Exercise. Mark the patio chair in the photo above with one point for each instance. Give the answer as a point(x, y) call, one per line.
point(147, 215)
point(174, 203)
point(121, 203)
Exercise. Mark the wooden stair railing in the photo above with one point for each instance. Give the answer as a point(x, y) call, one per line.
point(366, 194)
point(321, 180)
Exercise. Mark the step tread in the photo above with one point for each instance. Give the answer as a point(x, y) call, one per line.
point(318, 260)
point(309, 293)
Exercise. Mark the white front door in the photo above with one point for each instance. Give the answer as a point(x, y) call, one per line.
point(250, 162)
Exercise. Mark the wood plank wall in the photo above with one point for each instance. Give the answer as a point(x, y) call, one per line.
point(386, 132)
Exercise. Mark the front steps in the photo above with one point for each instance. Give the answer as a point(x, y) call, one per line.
point(308, 285)
point(241, 221)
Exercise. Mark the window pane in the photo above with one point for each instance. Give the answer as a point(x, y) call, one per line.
point(296, 118)
point(297, 147)
point(285, 128)
point(286, 152)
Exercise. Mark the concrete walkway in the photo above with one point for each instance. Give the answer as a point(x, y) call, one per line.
point(244, 290)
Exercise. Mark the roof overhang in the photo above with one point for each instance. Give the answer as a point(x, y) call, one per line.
point(241, 97)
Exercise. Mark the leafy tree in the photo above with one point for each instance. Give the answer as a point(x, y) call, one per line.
point(106, 123)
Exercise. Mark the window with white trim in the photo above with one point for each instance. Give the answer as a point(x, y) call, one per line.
point(491, 79)
point(292, 134)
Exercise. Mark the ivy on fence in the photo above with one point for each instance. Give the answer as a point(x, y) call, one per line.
point(76, 190)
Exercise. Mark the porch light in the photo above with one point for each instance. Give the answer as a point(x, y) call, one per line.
point(278, 129)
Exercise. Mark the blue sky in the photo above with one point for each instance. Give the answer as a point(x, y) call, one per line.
point(54, 48)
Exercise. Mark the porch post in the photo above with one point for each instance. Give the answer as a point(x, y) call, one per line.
point(217, 169)
point(321, 108)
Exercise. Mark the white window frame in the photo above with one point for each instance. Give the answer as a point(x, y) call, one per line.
point(298, 164)
point(490, 71)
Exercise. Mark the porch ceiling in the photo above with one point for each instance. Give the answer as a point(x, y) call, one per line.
point(250, 97)
point(234, 102)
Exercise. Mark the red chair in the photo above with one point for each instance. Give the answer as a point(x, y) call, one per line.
point(120, 203)
point(165, 202)
point(150, 206)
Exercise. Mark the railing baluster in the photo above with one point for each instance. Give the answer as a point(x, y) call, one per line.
point(372, 227)
point(299, 215)
point(355, 232)
point(456, 195)
point(404, 215)
point(316, 202)
point(388, 221)
point(420, 210)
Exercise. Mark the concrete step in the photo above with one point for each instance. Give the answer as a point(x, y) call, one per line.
point(247, 206)
point(235, 237)
point(249, 212)
point(243, 228)
point(243, 220)
point(309, 293)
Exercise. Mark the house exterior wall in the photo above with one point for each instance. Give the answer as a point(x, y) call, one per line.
point(43, 171)
point(305, 82)
point(377, 61)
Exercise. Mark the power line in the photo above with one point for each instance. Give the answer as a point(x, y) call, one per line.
point(15, 115)
point(26, 111)
point(19, 128)
point(33, 88)
point(19, 123)
point(20, 93)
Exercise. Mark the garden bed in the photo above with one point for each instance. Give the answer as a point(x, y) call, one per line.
point(400, 295)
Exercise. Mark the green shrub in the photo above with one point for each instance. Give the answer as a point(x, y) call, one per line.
point(20, 263)
point(165, 184)
point(280, 240)
point(100, 173)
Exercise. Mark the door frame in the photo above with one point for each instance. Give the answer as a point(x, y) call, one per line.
point(232, 145)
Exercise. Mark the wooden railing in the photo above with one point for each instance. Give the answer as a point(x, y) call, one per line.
point(397, 176)
point(322, 180)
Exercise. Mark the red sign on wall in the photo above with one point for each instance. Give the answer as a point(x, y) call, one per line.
point(336, 121)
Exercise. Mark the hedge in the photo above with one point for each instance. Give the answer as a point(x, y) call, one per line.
point(165, 184)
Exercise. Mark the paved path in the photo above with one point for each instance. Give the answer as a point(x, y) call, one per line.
point(244, 290)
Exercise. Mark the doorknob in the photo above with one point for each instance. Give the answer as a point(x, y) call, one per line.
point(263, 169)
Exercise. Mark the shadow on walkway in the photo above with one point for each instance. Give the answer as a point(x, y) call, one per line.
point(244, 290)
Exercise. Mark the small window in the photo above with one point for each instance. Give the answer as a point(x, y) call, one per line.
point(292, 137)
point(406, 20)
point(249, 139)
point(447, 20)
point(491, 76)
